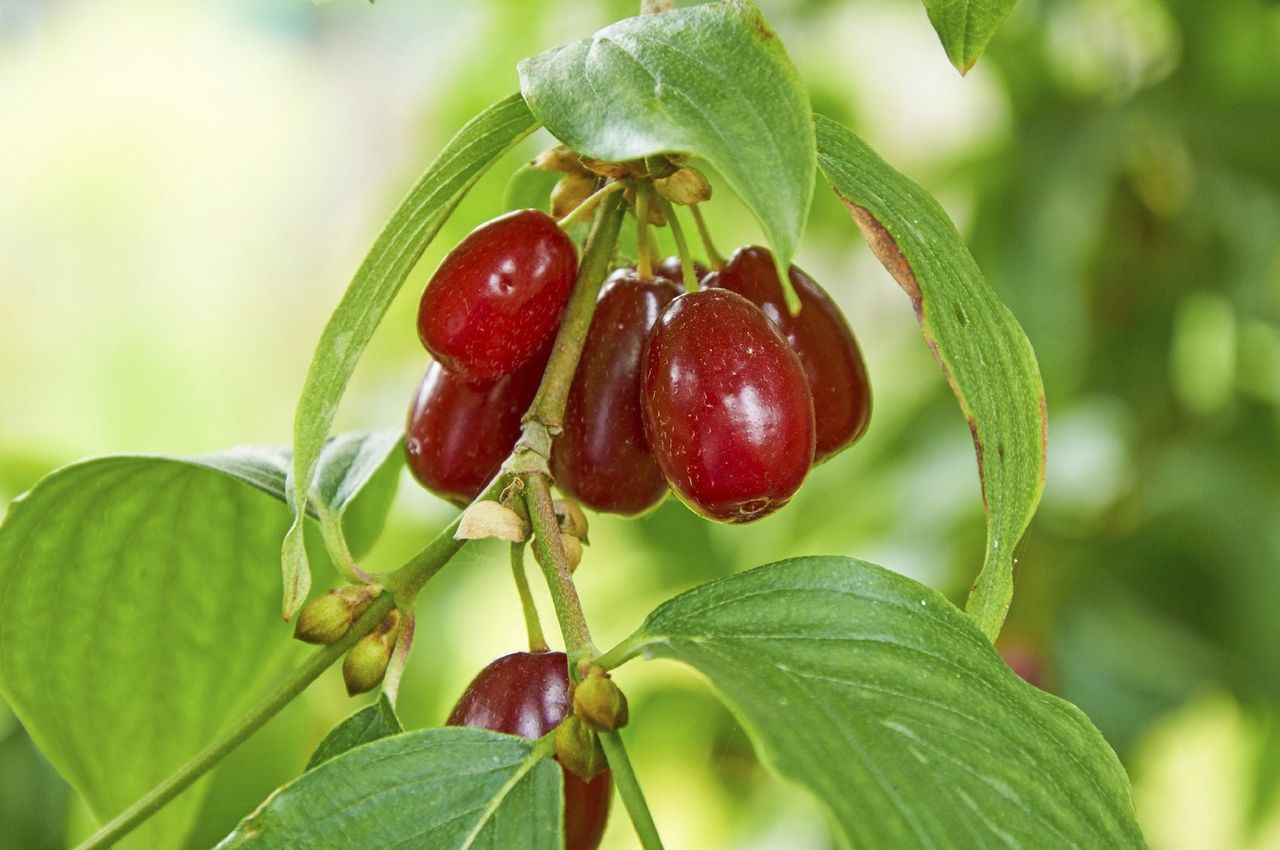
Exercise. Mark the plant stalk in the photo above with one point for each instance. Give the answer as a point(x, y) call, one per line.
point(573, 623)
point(624, 778)
point(682, 247)
point(553, 393)
point(537, 641)
point(713, 256)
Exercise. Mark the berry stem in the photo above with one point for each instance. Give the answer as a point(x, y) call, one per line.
point(713, 256)
point(682, 247)
point(624, 778)
point(583, 209)
point(555, 568)
point(537, 642)
point(644, 262)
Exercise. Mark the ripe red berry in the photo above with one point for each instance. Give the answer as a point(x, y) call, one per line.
point(497, 298)
point(459, 433)
point(727, 409)
point(602, 459)
point(527, 694)
point(819, 334)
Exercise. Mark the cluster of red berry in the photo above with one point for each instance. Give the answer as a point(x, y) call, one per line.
point(720, 394)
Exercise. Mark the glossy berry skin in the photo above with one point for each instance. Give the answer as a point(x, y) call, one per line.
point(669, 269)
point(602, 459)
point(459, 433)
point(497, 298)
point(727, 409)
point(819, 334)
point(527, 694)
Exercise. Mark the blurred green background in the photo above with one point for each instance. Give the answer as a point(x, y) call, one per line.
point(186, 187)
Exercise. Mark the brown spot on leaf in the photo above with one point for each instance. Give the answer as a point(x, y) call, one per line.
point(887, 252)
point(763, 32)
point(978, 450)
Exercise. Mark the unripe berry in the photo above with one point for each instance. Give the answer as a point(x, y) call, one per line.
point(366, 662)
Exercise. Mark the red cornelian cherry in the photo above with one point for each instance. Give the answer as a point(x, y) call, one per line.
point(527, 694)
point(727, 409)
point(602, 459)
point(819, 334)
point(497, 298)
point(459, 433)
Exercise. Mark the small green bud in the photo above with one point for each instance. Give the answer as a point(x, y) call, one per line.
point(600, 704)
point(366, 662)
point(323, 619)
point(578, 749)
point(327, 618)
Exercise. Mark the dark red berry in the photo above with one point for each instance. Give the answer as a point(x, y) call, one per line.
point(527, 694)
point(670, 270)
point(819, 334)
point(727, 409)
point(602, 459)
point(497, 298)
point(459, 433)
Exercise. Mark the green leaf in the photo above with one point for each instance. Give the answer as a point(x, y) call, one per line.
point(713, 81)
point(137, 615)
point(965, 27)
point(883, 700)
point(397, 249)
point(376, 720)
point(980, 346)
point(530, 189)
point(358, 464)
point(431, 789)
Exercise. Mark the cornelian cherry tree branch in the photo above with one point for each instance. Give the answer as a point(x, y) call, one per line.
point(402, 586)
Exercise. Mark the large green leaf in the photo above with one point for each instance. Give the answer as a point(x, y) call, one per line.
point(376, 720)
point(137, 614)
point(966, 26)
point(397, 249)
point(710, 80)
point(434, 789)
point(979, 344)
point(882, 699)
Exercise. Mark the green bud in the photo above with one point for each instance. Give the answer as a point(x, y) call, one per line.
point(600, 704)
point(578, 749)
point(327, 617)
point(366, 662)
